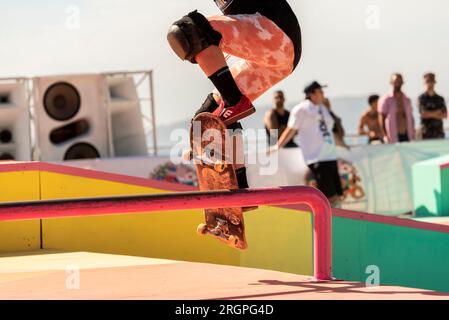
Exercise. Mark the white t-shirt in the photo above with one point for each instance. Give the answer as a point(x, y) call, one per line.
point(315, 138)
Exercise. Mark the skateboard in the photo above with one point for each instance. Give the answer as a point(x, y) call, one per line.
point(214, 160)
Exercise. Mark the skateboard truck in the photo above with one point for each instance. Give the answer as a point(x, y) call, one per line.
point(220, 231)
point(218, 166)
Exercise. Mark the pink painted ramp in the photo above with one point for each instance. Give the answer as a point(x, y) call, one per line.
point(79, 275)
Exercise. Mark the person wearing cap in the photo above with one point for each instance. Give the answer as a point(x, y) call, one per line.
point(311, 125)
point(432, 109)
point(396, 113)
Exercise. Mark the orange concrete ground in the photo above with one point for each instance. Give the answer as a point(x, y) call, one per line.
point(54, 275)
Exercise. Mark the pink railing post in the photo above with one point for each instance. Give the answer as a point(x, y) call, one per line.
point(190, 201)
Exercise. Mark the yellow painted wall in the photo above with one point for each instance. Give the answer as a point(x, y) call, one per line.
point(19, 186)
point(279, 239)
point(19, 236)
point(169, 235)
point(62, 186)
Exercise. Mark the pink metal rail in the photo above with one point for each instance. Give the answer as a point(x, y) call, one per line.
point(190, 201)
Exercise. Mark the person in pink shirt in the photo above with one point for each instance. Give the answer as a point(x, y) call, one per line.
point(396, 114)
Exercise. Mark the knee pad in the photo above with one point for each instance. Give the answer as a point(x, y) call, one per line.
point(191, 35)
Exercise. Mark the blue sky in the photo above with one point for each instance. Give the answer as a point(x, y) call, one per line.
point(340, 48)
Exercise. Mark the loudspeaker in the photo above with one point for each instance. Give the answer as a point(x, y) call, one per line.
point(71, 117)
point(15, 139)
point(126, 121)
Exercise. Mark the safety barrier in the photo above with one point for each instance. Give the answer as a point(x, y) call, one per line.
point(191, 201)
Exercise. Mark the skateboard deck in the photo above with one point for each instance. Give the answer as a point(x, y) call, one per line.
point(210, 144)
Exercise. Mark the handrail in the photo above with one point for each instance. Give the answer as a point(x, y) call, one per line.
point(190, 201)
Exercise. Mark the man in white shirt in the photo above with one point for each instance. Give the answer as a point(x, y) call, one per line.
point(311, 124)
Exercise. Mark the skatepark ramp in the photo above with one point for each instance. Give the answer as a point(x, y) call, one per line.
point(407, 253)
point(190, 201)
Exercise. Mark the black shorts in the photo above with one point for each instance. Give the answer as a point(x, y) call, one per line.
point(327, 177)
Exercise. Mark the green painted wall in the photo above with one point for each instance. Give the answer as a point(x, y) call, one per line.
point(445, 191)
point(430, 188)
point(406, 257)
point(426, 190)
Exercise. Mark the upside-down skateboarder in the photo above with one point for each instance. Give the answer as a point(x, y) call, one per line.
point(264, 35)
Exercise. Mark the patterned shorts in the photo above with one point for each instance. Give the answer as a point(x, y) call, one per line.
point(265, 54)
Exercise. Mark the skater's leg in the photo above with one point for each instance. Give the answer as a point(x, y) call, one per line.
point(238, 149)
point(211, 60)
point(255, 72)
point(254, 38)
point(238, 155)
point(242, 178)
point(266, 57)
point(266, 54)
point(193, 38)
point(213, 64)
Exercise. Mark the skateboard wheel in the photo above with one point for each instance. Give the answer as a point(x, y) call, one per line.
point(235, 221)
point(233, 240)
point(220, 167)
point(202, 229)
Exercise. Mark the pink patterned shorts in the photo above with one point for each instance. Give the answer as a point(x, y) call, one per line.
point(265, 54)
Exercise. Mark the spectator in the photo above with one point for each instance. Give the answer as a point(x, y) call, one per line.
point(396, 114)
point(277, 119)
point(337, 130)
point(432, 108)
point(369, 122)
point(310, 122)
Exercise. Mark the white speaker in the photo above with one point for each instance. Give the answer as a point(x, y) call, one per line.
point(15, 139)
point(71, 117)
point(126, 122)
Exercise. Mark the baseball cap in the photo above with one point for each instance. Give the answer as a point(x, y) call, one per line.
point(311, 87)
